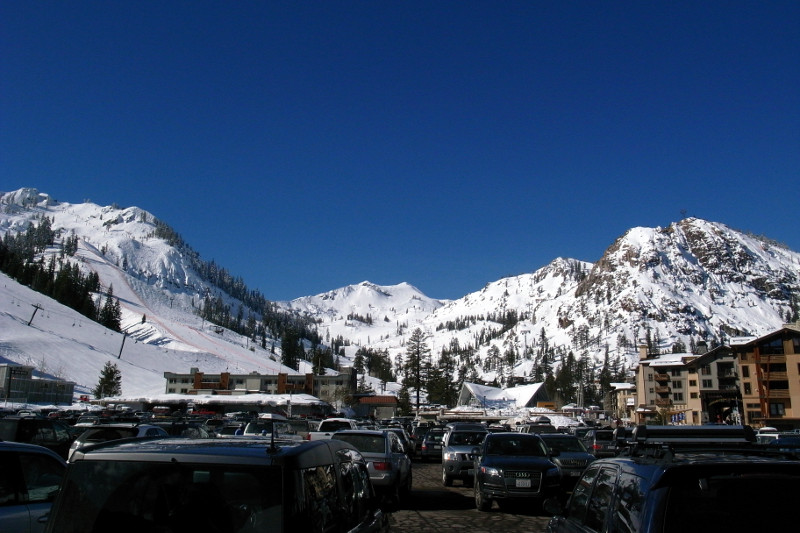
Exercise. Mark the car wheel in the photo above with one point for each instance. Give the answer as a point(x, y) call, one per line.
point(481, 501)
point(447, 481)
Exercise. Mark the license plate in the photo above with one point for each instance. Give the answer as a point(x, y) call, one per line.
point(523, 483)
point(437, 447)
point(574, 474)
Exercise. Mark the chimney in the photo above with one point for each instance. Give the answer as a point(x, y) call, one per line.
point(642, 352)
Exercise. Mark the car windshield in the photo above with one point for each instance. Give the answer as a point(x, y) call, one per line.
point(435, 436)
point(170, 497)
point(365, 443)
point(515, 446)
point(466, 438)
point(104, 434)
point(604, 435)
point(564, 444)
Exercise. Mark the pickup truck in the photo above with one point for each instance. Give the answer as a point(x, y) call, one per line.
point(329, 426)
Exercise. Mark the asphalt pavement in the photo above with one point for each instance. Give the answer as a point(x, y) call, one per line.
point(433, 507)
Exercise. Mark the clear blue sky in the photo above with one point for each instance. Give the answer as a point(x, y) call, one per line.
point(309, 145)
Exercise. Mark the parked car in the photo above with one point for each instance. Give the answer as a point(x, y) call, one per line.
point(514, 466)
point(184, 428)
point(573, 457)
point(600, 442)
point(272, 425)
point(683, 479)
point(30, 477)
point(241, 485)
point(405, 439)
point(115, 431)
point(52, 434)
point(431, 444)
point(389, 466)
point(460, 446)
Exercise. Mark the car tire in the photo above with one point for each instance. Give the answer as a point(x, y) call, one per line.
point(447, 481)
point(482, 503)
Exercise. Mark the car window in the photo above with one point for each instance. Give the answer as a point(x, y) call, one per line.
point(710, 500)
point(600, 500)
point(465, 438)
point(42, 476)
point(365, 443)
point(629, 504)
point(561, 444)
point(356, 492)
point(169, 497)
point(515, 446)
point(9, 469)
point(576, 510)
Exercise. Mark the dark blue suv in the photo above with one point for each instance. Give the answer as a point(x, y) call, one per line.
point(683, 479)
point(217, 486)
point(514, 466)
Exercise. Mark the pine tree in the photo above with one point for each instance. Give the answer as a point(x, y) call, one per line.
point(417, 359)
point(110, 383)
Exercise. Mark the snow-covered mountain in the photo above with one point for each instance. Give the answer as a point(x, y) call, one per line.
point(693, 280)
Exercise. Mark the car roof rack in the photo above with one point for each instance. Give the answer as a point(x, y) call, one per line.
point(678, 436)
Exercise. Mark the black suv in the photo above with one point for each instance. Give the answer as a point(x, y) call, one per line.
point(238, 485)
point(512, 466)
point(52, 434)
point(683, 479)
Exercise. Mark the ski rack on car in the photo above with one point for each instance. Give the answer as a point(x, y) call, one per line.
point(665, 441)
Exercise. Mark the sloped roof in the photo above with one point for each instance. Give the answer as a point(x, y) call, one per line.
point(519, 396)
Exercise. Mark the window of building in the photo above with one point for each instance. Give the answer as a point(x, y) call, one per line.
point(649, 376)
point(746, 371)
point(677, 384)
point(708, 383)
point(693, 383)
point(796, 345)
point(773, 347)
point(753, 415)
point(675, 373)
point(753, 405)
point(693, 396)
point(705, 370)
point(677, 396)
point(777, 409)
point(652, 390)
point(747, 389)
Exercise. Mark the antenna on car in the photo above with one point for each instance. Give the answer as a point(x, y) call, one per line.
point(272, 448)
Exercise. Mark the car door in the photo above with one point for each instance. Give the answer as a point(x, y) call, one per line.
point(29, 482)
point(399, 458)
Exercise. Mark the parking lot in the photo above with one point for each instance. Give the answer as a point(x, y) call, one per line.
point(433, 507)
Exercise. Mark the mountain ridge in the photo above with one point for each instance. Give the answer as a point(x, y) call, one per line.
point(691, 281)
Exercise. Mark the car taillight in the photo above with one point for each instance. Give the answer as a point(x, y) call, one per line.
point(382, 465)
point(597, 447)
point(424, 446)
point(308, 437)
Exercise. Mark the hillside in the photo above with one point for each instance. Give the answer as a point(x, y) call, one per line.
point(692, 281)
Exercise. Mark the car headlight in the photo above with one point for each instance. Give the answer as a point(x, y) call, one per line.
point(449, 456)
point(489, 471)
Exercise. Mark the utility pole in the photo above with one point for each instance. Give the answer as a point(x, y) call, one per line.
point(36, 307)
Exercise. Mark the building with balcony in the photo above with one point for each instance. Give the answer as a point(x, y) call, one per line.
point(714, 381)
point(328, 388)
point(662, 387)
point(770, 377)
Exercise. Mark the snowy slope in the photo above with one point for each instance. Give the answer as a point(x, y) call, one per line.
point(693, 280)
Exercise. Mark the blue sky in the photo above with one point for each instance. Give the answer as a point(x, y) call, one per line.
point(309, 145)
